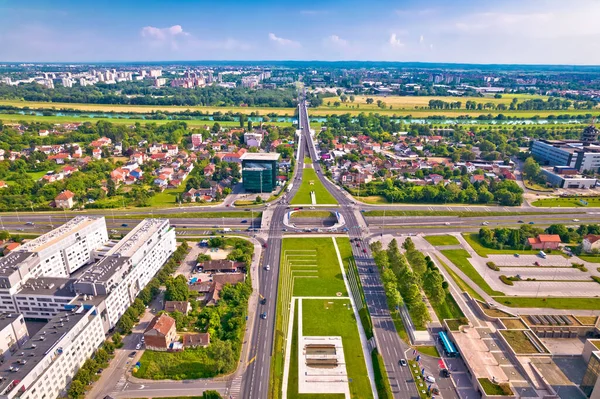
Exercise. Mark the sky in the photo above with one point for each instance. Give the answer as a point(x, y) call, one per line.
point(457, 31)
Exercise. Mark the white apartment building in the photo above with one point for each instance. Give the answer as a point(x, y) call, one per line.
point(49, 360)
point(13, 333)
point(45, 297)
point(68, 247)
point(128, 267)
point(15, 269)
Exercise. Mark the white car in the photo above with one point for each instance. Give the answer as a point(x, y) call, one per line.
point(430, 379)
point(267, 268)
point(138, 346)
point(447, 223)
point(576, 220)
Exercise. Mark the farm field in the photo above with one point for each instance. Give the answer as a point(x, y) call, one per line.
point(303, 195)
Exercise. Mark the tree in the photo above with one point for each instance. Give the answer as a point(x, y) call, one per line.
point(177, 289)
point(211, 395)
point(4, 235)
point(222, 352)
point(531, 169)
point(559, 229)
point(117, 339)
point(76, 390)
point(125, 324)
point(432, 285)
point(369, 100)
point(408, 245)
point(419, 313)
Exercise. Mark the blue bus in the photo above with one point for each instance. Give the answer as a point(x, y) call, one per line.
point(449, 347)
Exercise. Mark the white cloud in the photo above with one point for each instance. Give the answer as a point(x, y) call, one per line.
point(152, 32)
point(395, 41)
point(421, 39)
point(335, 41)
point(282, 41)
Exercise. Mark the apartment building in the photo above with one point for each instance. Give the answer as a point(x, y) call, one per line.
point(15, 269)
point(13, 333)
point(46, 363)
point(65, 249)
point(128, 267)
point(45, 297)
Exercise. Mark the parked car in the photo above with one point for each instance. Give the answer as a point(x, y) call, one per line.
point(364, 251)
point(430, 379)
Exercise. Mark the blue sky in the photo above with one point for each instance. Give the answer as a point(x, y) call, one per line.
point(508, 31)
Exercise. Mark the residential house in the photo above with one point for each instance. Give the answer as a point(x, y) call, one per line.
point(101, 142)
point(221, 266)
point(69, 170)
point(209, 170)
point(477, 178)
point(196, 340)
point(3, 184)
point(160, 333)
point(43, 133)
point(64, 200)
point(591, 243)
point(178, 306)
point(10, 247)
point(97, 153)
point(545, 241)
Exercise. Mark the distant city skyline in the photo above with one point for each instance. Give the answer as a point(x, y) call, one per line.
point(463, 31)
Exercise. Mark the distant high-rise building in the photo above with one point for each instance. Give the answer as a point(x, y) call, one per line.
point(438, 78)
point(67, 82)
point(155, 73)
point(590, 134)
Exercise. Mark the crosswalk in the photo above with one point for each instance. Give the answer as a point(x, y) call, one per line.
point(236, 387)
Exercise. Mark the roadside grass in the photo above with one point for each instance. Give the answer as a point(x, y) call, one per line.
point(311, 214)
point(421, 385)
point(428, 350)
point(464, 214)
point(303, 195)
point(492, 311)
point(460, 282)
point(190, 364)
point(567, 202)
point(384, 390)
point(590, 258)
point(519, 341)
point(537, 187)
point(551, 303)
point(323, 317)
point(398, 323)
point(449, 309)
point(473, 240)
point(460, 259)
point(193, 215)
point(307, 161)
point(442, 240)
point(373, 200)
point(454, 324)
point(345, 248)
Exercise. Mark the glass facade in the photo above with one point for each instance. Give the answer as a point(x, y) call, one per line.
point(259, 176)
point(591, 375)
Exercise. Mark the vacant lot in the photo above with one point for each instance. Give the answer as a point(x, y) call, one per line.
point(311, 182)
point(442, 240)
point(460, 258)
point(335, 318)
point(190, 364)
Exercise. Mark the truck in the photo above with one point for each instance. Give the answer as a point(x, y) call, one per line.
point(289, 187)
point(226, 230)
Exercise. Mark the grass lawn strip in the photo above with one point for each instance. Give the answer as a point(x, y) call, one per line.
point(311, 214)
point(552, 303)
point(460, 282)
point(303, 195)
point(307, 161)
point(384, 389)
point(464, 214)
point(441, 240)
point(460, 259)
point(520, 343)
point(428, 350)
point(325, 317)
point(567, 202)
point(495, 389)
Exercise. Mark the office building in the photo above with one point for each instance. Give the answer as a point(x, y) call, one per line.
point(562, 177)
point(68, 247)
point(582, 156)
point(15, 269)
point(127, 268)
point(13, 334)
point(46, 363)
point(259, 171)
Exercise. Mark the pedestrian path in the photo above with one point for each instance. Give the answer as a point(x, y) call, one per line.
point(236, 388)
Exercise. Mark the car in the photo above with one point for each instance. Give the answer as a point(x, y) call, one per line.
point(516, 255)
point(244, 221)
point(263, 315)
point(124, 225)
point(402, 362)
point(29, 224)
point(264, 245)
point(20, 229)
point(267, 267)
point(364, 251)
point(435, 391)
point(358, 244)
point(132, 354)
point(296, 209)
point(370, 270)
point(430, 379)
point(227, 205)
point(447, 223)
point(138, 346)
point(576, 220)
point(247, 209)
point(485, 223)
point(531, 222)
point(446, 373)
point(520, 221)
point(263, 301)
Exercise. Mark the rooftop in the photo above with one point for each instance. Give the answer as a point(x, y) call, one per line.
point(38, 347)
point(261, 156)
point(11, 262)
point(74, 225)
point(140, 234)
point(103, 270)
point(52, 286)
point(7, 319)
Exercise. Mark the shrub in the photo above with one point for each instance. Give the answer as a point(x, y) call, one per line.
point(596, 279)
point(506, 280)
point(493, 266)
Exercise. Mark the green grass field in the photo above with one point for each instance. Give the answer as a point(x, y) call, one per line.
point(311, 214)
point(473, 240)
point(307, 161)
point(460, 259)
point(552, 303)
point(567, 202)
point(442, 240)
point(462, 214)
point(460, 282)
point(314, 263)
point(590, 258)
point(189, 364)
point(322, 317)
point(519, 341)
point(449, 309)
point(303, 195)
